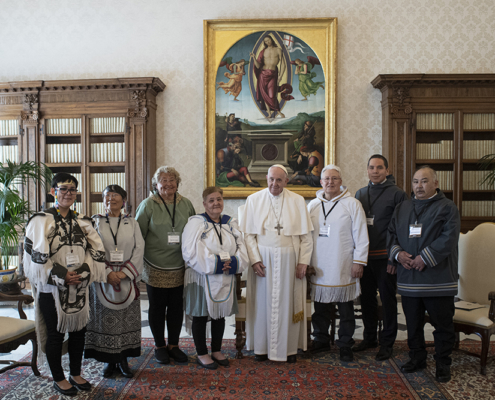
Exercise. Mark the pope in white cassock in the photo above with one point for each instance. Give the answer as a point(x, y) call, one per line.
point(277, 231)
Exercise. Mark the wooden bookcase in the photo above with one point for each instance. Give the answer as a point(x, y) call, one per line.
point(65, 123)
point(448, 122)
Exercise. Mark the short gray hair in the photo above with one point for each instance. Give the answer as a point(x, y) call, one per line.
point(332, 166)
point(434, 173)
point(165, 170)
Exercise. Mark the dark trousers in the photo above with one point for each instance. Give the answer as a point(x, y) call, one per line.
point(165, 303)
point(199, 334)
point(321, 323)
point(375, 277)
point(441, 311)
point(55, 339)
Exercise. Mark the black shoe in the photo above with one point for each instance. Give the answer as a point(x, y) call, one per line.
point(223, 363)
point(413, 366)
point(212, 365)
point(365, 345)
point(292, 359)
point(68, 392)
point(162, 356)
point(384, 353)
point(260, 357)
point(178, 355)
point(86, 386)
point(346, 354)
point(108, 370)
point(319, 347)
point(443, 373)
point(124, 368)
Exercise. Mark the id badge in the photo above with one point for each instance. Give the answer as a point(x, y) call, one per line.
point(173, 238)
point(325, 231)
point(71, 260)
point(224, 256)
point(415, 230)
point(117, 256)
point(370, 221)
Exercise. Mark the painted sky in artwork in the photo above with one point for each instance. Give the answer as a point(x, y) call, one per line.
point(245, 108)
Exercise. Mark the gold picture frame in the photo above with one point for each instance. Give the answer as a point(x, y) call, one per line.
point(221, 37)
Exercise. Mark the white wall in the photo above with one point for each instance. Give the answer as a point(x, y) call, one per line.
point(58, 39)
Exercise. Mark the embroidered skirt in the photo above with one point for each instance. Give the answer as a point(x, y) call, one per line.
point(112, 334)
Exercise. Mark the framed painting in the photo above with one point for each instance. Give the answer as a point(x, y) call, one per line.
point(270, 89)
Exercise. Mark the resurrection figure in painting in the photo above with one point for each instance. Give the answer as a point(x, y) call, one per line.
point(269, 76)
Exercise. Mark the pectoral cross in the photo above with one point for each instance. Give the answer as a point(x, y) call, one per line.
point(278, 227)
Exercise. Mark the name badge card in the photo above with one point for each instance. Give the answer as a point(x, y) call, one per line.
point(117, 256)
point(370, 221)
point(224, 256)
point(173, 238)
point(71, 260)
point(415, 230)
point(325, 231)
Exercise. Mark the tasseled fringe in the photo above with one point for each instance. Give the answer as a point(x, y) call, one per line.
point(72, 322)
point(221, 310)
point(343, 294)
point(215, 310)
point(298, 317)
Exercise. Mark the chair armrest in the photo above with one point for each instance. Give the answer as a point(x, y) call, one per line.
point(491, 313)
point(23, 298)
point(310, 271)
point(238, 286)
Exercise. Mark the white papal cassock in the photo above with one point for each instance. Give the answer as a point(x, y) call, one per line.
point(275, 304)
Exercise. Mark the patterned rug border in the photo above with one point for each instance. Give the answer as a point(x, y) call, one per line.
point(418, 386)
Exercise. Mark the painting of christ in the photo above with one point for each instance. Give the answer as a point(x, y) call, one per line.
point(271, 109)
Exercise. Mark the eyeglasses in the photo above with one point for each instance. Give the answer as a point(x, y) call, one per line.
point(112, 196)
point(333, 179)
point(165, 181)
point(64, 190)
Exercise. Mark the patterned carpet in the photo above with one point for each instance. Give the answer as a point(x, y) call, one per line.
point(323, 377)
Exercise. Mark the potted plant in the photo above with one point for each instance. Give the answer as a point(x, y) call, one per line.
point(488, 163)
point(14, 210)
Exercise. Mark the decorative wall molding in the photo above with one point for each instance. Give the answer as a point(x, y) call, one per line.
point(31, 117)
point(139, 110)
point(30, 99)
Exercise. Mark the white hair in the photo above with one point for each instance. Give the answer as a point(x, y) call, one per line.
point(334, 167)
point(279, 166)
point(164, 170)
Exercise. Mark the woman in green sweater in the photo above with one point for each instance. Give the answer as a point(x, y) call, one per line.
point(162, 218)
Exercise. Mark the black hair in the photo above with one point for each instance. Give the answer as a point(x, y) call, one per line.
point(63, 177)
point(385, 162)
point(115, 189)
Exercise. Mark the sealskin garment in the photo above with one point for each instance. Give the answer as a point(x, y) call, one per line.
point(384, 198)
point(438, 246)
point(338, 244)
point(130, 241)
point(201, 248)
point(48, 241)
point(276, 303)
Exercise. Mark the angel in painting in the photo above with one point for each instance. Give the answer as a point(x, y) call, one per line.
point(303, 70)
point(234, 85)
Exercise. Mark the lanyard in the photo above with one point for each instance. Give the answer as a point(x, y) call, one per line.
point(218, 234)
point(111, 231)
point(172, 216)
point(328, 213)
point(62, 224)
point(370, 204)
point(422, 211)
